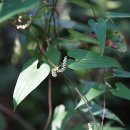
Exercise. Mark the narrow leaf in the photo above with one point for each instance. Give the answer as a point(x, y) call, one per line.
point(92, 94)
point(117, 15)
point(88, 60)
point(109, 126)
point(98, 111)
point(28, 80)
point(99, 28)
point(121, 91)
point(82, 37)
point(80, 3)
point(121, 73)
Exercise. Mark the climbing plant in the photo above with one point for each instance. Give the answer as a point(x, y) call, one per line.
point(85, 57)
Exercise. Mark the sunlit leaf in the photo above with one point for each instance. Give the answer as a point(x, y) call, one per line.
point(28, 80)
point(92, 94)
point(121, 91)
point(99, 28)
point(88, 60)
point(13, 7)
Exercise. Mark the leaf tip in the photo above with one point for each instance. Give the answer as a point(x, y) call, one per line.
point(15, 105)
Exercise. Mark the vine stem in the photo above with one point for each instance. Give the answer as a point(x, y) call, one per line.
point(52, 17)
point(73, 99)
point(103, 113)
point(16, 117)
point(84, 99)
point(49, 103)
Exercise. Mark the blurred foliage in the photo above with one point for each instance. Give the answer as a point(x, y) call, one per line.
point(78, 25)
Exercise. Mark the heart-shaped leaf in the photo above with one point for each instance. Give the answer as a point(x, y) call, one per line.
point(88, 60)
point(99, 28)
point(28, 80)
point(121, 91)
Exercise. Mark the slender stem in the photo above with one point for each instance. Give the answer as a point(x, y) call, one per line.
point(103, 114)
point(93, 11)
point(54, 22)
point(73, 99)
point(106, 78)
point(49, 103)
point(52, 16)
point(16, 117)
point(50, 62)
point(84, 99)
point(58, 21)
point(41, 8)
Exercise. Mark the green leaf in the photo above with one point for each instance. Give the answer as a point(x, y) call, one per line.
point(68, 43)
point(79, 127)
point(80, 3)
point(53, 54)
point(1, 5)
point(121, 91)
point(88, 60)
point(13, 7)
point(117, 15)
point(3, 122)
point(28, 80)
point(99, 28)
point(121, 73)
point(109, 126)
point(112, 116)
point(98, 111)
point(92, 94)
point(82, 37)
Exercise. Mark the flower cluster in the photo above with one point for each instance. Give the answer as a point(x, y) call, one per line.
point(20, 22)
point(59, 69)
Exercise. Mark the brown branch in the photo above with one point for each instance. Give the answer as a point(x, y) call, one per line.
point(84, 99)
point(49, 103)
point(73, 99)
point(103, 113)
point(16, 117)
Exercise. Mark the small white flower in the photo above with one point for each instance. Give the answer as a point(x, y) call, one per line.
point(59, 69)
point(21, 25)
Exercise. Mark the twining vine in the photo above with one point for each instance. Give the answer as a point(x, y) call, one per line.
point(51, 17)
